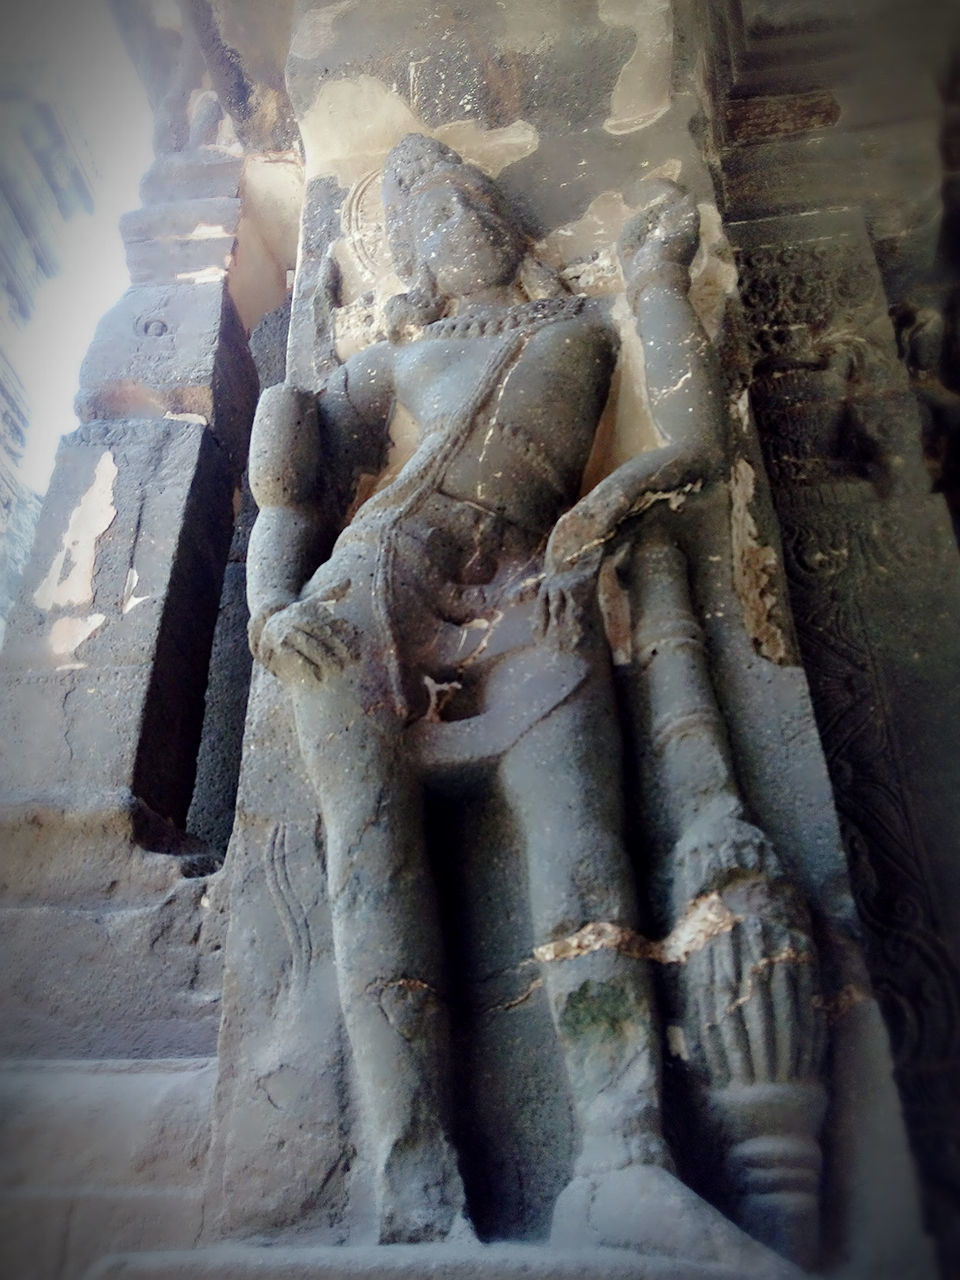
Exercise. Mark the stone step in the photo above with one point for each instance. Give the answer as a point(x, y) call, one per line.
point(76, 1126)
point(100, 1155)
point(415, 1262)
point(137, 982)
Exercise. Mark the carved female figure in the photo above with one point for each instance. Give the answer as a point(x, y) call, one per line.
point(443, 581)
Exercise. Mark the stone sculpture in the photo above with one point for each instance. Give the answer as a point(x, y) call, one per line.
point(456, 621)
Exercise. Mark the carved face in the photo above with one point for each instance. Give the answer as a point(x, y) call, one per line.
point(464, 244)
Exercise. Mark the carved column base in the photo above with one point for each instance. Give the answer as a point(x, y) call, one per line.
point(773, 1162)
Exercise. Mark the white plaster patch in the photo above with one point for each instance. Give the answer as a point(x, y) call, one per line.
point(713, 275)
point(754, 567)
point(669, 169)
point(490, 149)
point(272, 192)
point(208, 231)
point(204, 275)
point(67, 634)
point(130, 601)
point(642, 92)
point(404, 434)
point(361, 322)
point(740, 409)
point(69, 580)
point(573, 247)
point(627, 426)
point(584, 254)
point(677, 1043)
point(314, 29)
point(352, 124)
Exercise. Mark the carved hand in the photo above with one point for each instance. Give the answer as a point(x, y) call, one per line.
point(305, 641)
point(258, 621)
point(665, 233)
point(566, 612)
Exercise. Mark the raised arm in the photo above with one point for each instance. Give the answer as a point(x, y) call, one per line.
point(307, 453)
point(682, 376)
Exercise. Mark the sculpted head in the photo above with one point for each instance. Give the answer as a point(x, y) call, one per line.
point(450, 229)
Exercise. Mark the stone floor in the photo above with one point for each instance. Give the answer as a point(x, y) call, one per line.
point(411, 1262)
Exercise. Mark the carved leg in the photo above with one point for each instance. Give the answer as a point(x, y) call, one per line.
point(562, 781)
point(388, 955)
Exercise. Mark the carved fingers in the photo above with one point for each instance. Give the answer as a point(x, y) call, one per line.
point(566, 606)
point(307, 641)
point(752, 1008)
point(556, 616)
point(665, 232)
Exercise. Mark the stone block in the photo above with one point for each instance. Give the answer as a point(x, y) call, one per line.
point(191, 175)
point(173, 349)
point(169, 1219)
point(33, 1229)
point(99, 1155)
point(54, 1236)
point(128, 1124)
point(106, 662)
point(178, 258)
point(209, 216)
point(125, 983)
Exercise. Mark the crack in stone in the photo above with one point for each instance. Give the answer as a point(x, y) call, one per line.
point(506, 1005)
point(837, 1006)
point(674, 498)
point(753, 568)
point(786, 955)
point(705, 918)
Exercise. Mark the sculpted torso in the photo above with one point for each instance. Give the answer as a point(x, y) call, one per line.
point(526, 451)
point(506, 422)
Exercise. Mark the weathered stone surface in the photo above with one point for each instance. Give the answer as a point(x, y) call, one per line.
point(157, 995)
point(116, 618)
point(174, 349)
point(865, 543)
point(198, 174)
point(493, 1262)
point(130, 1124)
point(199, 218)
point(20, 512)
point(103, 695)
point(99, 1151)
point(295, 1113)
point(177, 258)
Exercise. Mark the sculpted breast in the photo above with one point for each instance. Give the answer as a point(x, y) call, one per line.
point(525, 455)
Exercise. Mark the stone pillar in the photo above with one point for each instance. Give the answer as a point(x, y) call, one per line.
point(875, 588)
point(816, 113)
point(111, 639)
point(288, 1142)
